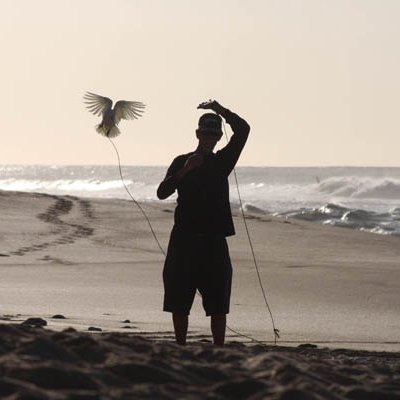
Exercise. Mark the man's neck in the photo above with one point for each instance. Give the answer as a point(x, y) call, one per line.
point(201, 150)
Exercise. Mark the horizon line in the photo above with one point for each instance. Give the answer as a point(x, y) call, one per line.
point(237, 166)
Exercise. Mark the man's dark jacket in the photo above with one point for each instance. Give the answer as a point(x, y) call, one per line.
point(203, 194)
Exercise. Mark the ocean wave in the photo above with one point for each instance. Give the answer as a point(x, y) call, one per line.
point(336, 215)
point(326, 212)
point(395, 213)
point(250, 208)
point(381, 231)
point(360, 187)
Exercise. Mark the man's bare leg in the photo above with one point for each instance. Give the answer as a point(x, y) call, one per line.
point(218, 327)
point(181, 322)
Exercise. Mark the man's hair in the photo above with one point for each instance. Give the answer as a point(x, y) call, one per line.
point(210, 123)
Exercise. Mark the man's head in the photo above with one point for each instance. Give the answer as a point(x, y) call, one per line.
point(210, 124)
point(209, 130)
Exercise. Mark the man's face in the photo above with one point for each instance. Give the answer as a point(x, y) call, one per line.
point(207, 140)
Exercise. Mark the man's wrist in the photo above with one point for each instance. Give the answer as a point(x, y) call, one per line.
point(220, 109)
point(225, 113)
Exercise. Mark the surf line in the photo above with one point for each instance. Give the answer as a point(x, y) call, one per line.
point(275, 330)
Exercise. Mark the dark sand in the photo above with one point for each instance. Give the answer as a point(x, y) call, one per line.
point(43, 364)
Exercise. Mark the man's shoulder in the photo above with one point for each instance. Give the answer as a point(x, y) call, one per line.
point(183, 157)
point(178, 163)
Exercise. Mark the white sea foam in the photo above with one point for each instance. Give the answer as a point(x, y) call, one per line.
point(61, 185)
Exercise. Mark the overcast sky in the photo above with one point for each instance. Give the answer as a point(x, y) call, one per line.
point(317, 80)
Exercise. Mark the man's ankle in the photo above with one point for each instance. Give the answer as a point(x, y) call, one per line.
point(218, 327)
point(181, 322)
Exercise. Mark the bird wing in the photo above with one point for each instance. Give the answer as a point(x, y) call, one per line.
point(96, 104)
point(128, 110)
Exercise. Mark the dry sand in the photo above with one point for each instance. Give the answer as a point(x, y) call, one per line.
point(43, 364)
point(96, 263)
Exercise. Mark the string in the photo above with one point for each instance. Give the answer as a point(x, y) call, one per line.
point(275, 330)
point(134, 200)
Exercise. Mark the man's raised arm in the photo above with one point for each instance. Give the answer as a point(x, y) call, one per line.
point(229, 155)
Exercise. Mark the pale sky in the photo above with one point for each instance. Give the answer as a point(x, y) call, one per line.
point(317, 80)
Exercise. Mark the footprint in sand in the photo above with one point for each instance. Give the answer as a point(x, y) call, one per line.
point(69, 232)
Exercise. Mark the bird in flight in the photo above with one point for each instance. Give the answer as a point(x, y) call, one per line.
point(102, 106)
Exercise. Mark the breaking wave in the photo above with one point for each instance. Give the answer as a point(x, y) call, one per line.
point(362, 188)
point(336, 215)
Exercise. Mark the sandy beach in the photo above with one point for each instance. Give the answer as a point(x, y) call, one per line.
point(95, 263)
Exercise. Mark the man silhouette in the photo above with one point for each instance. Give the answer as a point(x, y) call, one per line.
point(198, 255)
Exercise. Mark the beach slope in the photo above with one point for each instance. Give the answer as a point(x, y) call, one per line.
point(96, 263)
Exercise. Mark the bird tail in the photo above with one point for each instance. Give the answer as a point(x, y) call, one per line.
point(107, 131)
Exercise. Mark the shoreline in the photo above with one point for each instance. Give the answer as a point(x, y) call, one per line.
point(358, 200)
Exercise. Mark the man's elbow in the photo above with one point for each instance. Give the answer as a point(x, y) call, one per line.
point(246, 128)
point(242, 128)
point(161, 194)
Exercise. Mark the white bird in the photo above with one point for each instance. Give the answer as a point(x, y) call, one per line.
point(102, 106)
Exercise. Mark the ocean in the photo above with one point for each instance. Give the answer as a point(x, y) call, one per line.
point(364, 198)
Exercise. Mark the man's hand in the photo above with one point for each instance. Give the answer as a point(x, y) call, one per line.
point(212, 105)
point(191, 163)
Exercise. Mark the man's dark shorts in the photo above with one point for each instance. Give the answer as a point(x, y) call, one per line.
point(197, 262)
